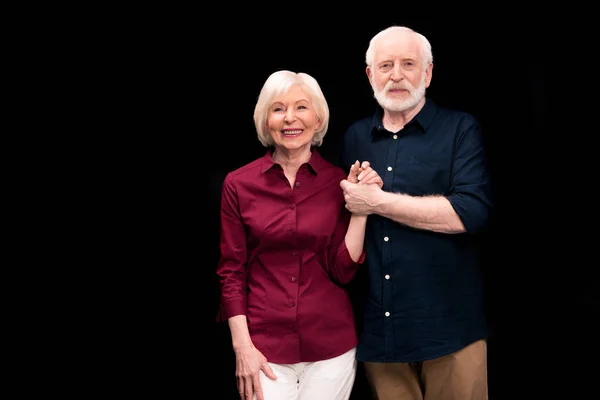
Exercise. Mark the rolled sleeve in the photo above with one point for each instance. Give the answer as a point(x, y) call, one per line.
point(344, 268)
point(470, 194)
point(230, 308)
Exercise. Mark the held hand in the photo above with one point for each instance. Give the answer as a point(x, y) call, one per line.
point(249, 363)
point(368, 175)
point(360, 198)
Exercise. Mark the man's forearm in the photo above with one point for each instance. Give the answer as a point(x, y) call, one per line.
point(432, 213)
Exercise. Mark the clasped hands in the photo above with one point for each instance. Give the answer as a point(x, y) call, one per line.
point(361, 188)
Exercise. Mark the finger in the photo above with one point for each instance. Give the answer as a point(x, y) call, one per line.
point(365, 164)
point(248, 390)
point(354, 171)
point(241, 387)
point(373, 181)
point(344, 184)
point(368, 172)
point(258, 389)
point(268, 372)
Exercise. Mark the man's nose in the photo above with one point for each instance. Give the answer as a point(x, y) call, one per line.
point(397, 73)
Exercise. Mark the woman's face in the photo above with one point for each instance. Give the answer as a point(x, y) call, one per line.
point(292, 120)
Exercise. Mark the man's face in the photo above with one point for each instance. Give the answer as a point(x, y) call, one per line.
point(398, 75)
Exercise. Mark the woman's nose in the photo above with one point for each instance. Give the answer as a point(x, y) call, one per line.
point(290, 116)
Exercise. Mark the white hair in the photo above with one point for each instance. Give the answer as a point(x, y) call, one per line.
point(279, 83)
point(425, 45)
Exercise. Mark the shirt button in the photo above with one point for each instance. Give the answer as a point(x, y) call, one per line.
point(387, 313)
point(395, 137)
point(386, 239)
point(297, 184)
point(292, 207)
point(293, 279)
point(387, 276)
point(389, 168)
point(292, 304)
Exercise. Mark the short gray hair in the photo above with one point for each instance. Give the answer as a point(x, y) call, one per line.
point(425, 45)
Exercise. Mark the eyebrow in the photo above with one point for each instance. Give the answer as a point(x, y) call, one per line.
point(299, 101)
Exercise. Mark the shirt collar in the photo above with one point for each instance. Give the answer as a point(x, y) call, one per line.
point(316, 162)
point(422, 120)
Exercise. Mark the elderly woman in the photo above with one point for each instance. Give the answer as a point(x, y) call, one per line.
point(288, 248)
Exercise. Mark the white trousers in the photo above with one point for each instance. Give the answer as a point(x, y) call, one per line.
point(331, 379)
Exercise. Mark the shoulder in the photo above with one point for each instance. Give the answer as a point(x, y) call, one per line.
point(329, 169)
point(244, 172)
point(458, 117)
point(334, 169)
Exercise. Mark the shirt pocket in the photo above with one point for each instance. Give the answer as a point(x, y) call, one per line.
point(422, 177)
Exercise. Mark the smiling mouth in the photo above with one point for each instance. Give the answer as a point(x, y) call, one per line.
point(292, 132)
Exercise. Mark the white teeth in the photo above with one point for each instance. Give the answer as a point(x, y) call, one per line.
point(295, 132)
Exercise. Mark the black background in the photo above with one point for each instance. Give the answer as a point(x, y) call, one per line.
point(194, 98)
point(541, 319)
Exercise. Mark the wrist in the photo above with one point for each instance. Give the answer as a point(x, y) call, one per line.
point(242, 346)
point(377, 200)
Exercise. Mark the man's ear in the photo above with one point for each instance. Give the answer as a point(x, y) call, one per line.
point(368, 71)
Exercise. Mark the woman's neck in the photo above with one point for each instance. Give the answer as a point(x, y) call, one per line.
point(291, 160)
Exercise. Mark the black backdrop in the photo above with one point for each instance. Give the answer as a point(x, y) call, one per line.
point(540, 297)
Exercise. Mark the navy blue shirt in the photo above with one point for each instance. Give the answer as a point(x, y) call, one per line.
point(425, 296)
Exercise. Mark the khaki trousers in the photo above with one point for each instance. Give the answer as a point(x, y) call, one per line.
point(458, 376)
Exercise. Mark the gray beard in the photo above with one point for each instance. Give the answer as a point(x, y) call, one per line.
point(397, 105)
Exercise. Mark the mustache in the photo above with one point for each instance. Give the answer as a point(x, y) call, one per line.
point(401, 86)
